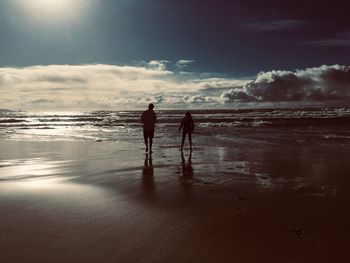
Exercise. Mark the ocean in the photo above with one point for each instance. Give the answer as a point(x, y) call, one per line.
point(213, 127)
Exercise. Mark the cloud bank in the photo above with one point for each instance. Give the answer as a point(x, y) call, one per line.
point(318, 84)
point(85, 87)
point(89, 87)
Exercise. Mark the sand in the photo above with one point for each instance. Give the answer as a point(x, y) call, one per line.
point(109, 202)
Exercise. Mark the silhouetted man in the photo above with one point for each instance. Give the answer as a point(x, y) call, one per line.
point(148, 118)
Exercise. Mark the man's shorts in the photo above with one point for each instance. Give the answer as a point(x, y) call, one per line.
point(148, 133)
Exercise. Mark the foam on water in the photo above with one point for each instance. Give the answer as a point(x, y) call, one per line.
point(324, 123)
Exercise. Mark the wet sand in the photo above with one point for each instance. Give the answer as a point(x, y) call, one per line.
point(109, 202)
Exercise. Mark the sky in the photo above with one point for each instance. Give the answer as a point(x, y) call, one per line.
point(123, 54)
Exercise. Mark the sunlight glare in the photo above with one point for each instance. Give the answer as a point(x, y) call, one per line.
point(51, 10)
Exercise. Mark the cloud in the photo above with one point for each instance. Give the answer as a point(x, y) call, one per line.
point(158, 64)
point(318, 84)
point(90, 87)
point(328, 43)
point(83, 87)
point(212, 84)
point(194, 99)
point(183, 63)
point(339, 40)
point(276, 25)
point(41, 101)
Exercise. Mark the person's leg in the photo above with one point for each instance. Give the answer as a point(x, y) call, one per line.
point(151, 135)
point(190, 139)
point(146, 144)
point(145, 137)
point(150, 144)
point(183, 139)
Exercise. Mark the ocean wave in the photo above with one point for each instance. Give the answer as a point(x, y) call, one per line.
point(103, 123)
point(257, 123)
point(335, 137)
point(5, 120)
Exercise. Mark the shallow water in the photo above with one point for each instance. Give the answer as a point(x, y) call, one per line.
point(213, 127)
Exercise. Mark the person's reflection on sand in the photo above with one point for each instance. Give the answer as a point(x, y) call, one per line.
point(186, 176)
point(148, 185)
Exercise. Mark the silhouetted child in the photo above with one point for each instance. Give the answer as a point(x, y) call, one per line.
point(187, 126)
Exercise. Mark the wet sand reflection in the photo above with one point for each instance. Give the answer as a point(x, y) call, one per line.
point(186, 176)
point(148, 185)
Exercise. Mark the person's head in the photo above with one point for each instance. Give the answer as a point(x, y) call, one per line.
point(188, 114)
point(150, 106)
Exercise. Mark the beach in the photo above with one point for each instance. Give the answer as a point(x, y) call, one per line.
point(88, 201)
point(174, 131)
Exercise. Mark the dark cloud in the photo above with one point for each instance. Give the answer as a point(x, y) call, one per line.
point(237, 96)
point(325, 83)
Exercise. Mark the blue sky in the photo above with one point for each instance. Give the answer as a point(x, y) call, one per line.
point(192, 41)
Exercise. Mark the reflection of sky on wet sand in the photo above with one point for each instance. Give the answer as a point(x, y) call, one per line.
point(302, 169)
point(12, 169)
point(47, 186)
point(37, 174)
point(40, 175)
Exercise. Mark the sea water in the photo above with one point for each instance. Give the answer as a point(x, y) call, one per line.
point(212, 127)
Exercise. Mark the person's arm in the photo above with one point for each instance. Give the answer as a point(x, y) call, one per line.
point(182, 124)
point(192, 124)
point(142, 117)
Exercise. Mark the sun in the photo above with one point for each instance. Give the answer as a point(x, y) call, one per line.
point(51, 10)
